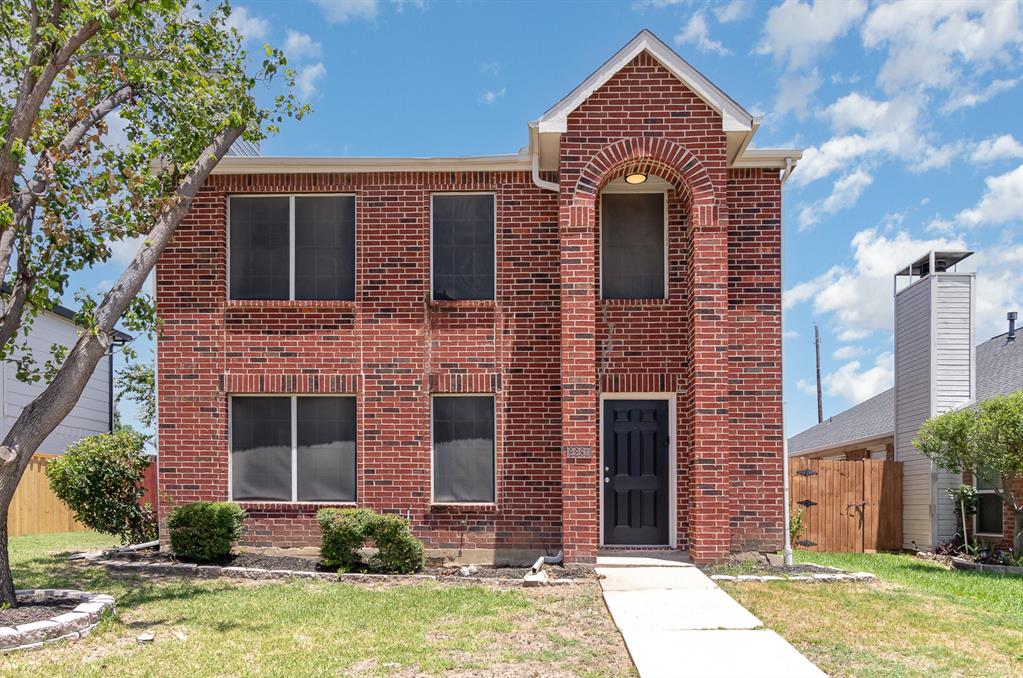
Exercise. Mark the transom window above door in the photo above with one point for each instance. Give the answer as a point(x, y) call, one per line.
point(462, 246)
point(292, 247)
point(632, 246)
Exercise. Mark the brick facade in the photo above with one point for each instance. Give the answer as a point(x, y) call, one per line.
point(547, 346)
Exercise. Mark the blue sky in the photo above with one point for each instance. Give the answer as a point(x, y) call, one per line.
point(911, 114)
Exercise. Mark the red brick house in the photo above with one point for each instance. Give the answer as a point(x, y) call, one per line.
point(519, 353)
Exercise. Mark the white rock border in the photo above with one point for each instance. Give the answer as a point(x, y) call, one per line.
point(821, 577)
point(70, 625)
point(217, 571)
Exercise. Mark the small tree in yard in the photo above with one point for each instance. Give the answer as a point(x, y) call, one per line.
point(99, 478)
point(986, 441)
point(175, 77)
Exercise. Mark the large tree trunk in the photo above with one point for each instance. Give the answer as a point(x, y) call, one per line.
point(41, 416)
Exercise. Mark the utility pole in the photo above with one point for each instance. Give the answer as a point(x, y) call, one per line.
point(817, 348)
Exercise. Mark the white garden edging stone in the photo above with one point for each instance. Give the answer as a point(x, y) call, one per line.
point(70, 625)
point(822, 577)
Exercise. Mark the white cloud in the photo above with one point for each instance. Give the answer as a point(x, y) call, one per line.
point(795, 32)
point(929, 43)
point(999, 287)
point(854, 383)
point(343, 11)
point(1001, 203)
point(994, 149)
point(490, 96)
point(868, 128)
point(970, 99)
point(300, 46)
point(696, 32)
point(490, 67)
point(122, 252)
point(858, 297)
point(845, 192)
point(735, 10)
point(847, 352)
point(795, 94)
point(250, 26)
point(790, 334)
point(308, 77)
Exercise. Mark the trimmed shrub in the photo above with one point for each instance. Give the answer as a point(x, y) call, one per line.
point(99, 478)
point(204, 530)
point(399, 551)
point(345, 531)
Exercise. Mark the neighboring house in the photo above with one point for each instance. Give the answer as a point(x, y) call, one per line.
point(94, 411)
point(935, 370)
point(575, 347)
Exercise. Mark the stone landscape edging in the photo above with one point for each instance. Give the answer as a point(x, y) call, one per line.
point(821, 577)
point(217, 571)
point(961, 564)
point(67, 626)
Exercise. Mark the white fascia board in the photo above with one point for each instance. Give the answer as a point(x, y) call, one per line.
point(734, 118)
point(307, 165)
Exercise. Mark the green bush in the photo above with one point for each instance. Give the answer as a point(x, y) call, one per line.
point(99, 478)
point(203, 530)
point(345, 531)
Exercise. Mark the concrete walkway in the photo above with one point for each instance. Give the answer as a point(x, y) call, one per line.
point(677, 622)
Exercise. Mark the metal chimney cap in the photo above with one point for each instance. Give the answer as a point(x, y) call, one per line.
point(942, 262)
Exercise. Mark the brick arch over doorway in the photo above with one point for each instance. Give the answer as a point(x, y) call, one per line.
point(703, 412)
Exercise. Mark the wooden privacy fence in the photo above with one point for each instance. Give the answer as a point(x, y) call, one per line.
point(848, 506)
point(35, 509)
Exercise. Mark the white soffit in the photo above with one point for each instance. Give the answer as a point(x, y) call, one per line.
point(734, 118)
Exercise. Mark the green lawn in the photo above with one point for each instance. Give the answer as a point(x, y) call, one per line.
point(919, 619)
point(223, 628)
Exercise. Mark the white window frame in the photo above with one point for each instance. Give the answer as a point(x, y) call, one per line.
point(976, 514)
point(293, 397)
point(433, 501)
point(620, 190)
point(492, 194)
point(291, 239)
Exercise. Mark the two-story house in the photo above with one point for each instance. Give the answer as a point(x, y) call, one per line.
point(575, 347)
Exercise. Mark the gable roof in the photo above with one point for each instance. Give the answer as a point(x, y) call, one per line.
point(734, 118)
point(999, 371)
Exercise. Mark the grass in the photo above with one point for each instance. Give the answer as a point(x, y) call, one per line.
point(918, 619)
point(309, 628)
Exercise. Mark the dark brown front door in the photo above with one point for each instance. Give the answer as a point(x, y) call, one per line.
point(636, 472)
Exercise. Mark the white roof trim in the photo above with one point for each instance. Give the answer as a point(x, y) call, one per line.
point(265, 164)
point(877, 437)
point(766, 158)
point(734, 118)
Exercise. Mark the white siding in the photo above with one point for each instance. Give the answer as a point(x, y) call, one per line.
point(90, 415)
point(913, 407)
point(954, 372)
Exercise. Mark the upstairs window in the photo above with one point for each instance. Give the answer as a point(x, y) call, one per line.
point(632, 261)
point(463, 449)
point(292, 247)
point(463, 233)
point(293, 448)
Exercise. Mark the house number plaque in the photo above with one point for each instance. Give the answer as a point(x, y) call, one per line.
point(578, 451)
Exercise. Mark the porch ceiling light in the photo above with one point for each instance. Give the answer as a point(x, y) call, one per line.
point(635, 178)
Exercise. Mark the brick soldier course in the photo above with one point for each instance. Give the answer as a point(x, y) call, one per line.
point(547, 347)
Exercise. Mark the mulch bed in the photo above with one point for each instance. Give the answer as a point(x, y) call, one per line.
point(36, 611)
point(307, 564)
point(764, 569)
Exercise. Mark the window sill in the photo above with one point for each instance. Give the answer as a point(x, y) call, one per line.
point(989, 535)
point(463, 303)
point(294, 506)
point(636, 302)
point(249, 304)
point(463, 507)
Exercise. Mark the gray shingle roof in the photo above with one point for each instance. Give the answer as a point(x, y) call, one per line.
point(999, 371)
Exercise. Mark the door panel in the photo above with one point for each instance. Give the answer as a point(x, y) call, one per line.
point(636, 472)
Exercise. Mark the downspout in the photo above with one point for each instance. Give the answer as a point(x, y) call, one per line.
point(787, 172)
point(787, 553)
point(110, 385)
point(534, 151)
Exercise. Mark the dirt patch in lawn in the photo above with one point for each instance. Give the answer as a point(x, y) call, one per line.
point(36, 611)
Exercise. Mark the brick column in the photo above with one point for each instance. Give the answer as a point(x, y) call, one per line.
point(580, 474)
point(709, 537)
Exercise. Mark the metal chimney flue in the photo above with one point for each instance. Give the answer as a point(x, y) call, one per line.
point(1011, 315)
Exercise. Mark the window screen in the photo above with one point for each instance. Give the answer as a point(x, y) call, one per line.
point(260, 257)
point(261, 449)
point(632, 241)
point(326, 449)
point(989, 513)
point(463, 449)
point(463, 247)
point(325, 247)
